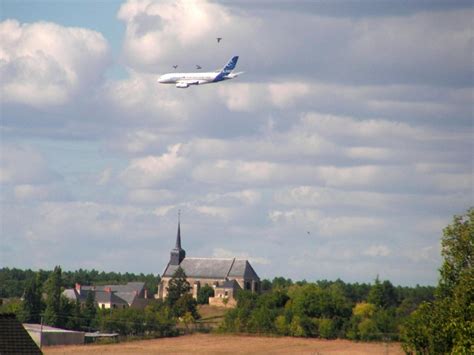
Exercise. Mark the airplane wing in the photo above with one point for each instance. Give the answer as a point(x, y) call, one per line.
point(186, 83)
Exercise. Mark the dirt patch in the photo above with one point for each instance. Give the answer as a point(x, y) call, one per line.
point(220, 344)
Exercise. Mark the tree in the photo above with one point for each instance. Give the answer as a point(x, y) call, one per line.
point(177, 287)
point(32, 304)
point(185, 304)
point(204, 293)
point(447, 324)
point(53, 298)
point(382, 294)
point(458, 253)
point(90, 310)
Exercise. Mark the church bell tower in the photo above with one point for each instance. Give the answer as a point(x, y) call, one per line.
point(178, 253)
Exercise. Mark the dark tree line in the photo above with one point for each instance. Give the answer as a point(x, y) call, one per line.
point(327, 309)
point(43, 301)
point(13, 281)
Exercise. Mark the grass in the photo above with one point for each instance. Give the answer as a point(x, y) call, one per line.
point(235, 344)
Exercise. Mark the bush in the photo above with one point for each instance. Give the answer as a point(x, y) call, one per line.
point(204, 293)
point(327, 328)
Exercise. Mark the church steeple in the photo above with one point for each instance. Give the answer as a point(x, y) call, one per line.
point(178, 237)
point(178, 253)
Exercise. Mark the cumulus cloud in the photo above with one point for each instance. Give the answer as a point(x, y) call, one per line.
point(153, 170)
point(44, 63)
point(184, 25)
point(354, 128)
point(21, 164)
point(225, 253)
point(398, 49)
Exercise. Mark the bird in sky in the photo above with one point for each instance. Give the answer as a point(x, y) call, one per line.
point(198, 67)
point(219, 39)
point(175, 66)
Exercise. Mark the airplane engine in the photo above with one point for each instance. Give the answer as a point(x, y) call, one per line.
point(182, 85)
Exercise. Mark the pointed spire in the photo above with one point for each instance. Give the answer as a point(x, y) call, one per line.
point(178, 253)
point(178, 237)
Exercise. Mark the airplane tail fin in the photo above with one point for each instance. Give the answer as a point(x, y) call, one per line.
point(230, 65)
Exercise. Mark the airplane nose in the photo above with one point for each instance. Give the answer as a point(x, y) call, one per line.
point(160, 79)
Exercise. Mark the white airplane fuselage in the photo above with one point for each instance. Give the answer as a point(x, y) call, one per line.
point(184, 80)
point(193, 78)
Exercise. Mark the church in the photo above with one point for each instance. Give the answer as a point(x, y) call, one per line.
point(226, 276)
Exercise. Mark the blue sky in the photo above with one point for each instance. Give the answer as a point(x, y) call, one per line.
point(342, 151)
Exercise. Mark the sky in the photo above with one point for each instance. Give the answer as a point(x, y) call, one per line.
point(342, 152)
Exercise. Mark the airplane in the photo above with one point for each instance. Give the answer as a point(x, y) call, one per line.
point(184, 80)
point(175, 66)
point(219, 39)
point(198, 67)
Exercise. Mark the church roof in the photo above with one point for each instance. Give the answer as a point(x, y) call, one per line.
point(229, 284)
point(14, 339)
point(209, 268)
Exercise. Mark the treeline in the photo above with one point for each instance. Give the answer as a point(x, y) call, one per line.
point(43, 301)
point(13, 281)
point(426, 320)
point(326, 309)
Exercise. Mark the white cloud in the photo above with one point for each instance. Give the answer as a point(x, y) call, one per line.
point(21, 164)
point(377, 250)
point(286, 94)
point(213, 211)
point(318, 224)
point(153, 170)
point(44, 63)
point(225, 253)
point(155, 30)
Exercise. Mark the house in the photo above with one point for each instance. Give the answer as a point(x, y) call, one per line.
point(133, 294)
point(224, 275)
point(14, 339)
point(224, 294)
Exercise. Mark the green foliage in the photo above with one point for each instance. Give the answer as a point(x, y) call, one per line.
point(90, 311)
point(177, 287)
point(457, 251)
point(364, 310)
point(367, 329)
point(266, 285)
point(313, 301)
point(204, 293)
point(446, 325)
point(185, 304)
point(327, 328)
point(13, 305)
point(281, 325)
point(281, 282)
point(53, 298)
point(32, 305)
point(383, 294)
point(179, 299)
point(156, 319)
point(13, 282)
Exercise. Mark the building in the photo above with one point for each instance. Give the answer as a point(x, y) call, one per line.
point(224, 294)
point(133, 294)
point(226, 276)
point(14, 339)
point(44, 335)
